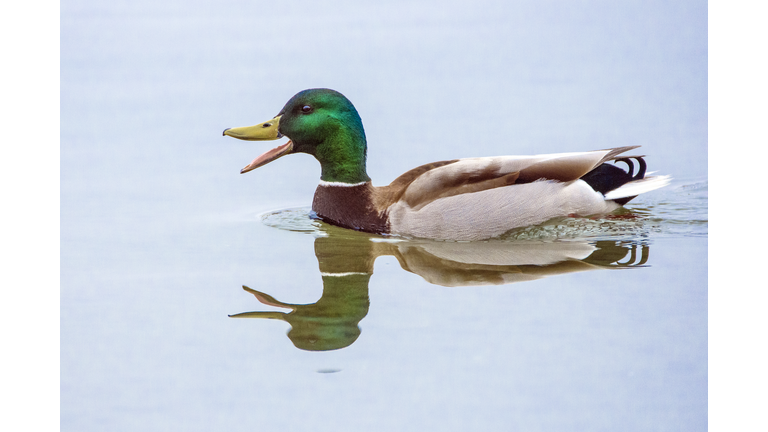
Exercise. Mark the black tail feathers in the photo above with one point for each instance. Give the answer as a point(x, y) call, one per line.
point(607, 177)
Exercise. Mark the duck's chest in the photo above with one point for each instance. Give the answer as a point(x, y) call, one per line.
point(349, 206)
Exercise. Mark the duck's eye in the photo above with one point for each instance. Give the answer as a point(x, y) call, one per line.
point(306, 109)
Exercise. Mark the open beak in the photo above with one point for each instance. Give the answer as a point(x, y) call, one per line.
point(260, 132)
point(268, 157)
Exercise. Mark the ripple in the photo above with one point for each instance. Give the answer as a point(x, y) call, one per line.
point(617, 227)
point(293, 219)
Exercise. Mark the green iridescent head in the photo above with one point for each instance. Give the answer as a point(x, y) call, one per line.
point(320, 122)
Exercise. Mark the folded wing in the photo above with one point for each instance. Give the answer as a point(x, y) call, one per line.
point(427, 183)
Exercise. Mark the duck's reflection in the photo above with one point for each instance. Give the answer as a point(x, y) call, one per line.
point(346, 265)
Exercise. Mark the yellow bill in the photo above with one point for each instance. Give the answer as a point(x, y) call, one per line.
point(262, 131)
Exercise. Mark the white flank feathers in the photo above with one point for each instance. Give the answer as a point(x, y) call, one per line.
point(469, 217)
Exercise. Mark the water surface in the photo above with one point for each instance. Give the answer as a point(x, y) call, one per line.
point(578, 324)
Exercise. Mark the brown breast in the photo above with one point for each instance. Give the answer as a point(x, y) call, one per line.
point(350, 207)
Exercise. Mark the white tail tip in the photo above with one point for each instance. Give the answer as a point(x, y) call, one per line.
point(637, 187)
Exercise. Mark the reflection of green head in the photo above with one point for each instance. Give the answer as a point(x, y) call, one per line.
point(332, 322)
point(329, 324)
point(322, 334)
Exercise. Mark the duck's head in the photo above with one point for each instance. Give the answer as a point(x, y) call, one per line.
point(321, 122)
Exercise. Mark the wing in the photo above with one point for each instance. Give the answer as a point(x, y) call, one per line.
point(428, 183)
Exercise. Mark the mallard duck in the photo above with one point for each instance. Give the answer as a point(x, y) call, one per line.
point(460, 199)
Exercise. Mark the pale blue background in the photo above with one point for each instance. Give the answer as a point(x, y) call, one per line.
point(158, 229)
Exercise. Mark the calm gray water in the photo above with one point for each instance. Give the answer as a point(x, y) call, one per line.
point(580, 324)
